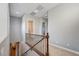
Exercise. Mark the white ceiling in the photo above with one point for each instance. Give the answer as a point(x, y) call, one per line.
point(19, 9)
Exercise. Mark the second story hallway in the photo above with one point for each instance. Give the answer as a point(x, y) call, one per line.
point(39, 29)
point(44, 29)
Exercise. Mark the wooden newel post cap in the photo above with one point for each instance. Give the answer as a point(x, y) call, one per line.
point(47, 36)
point(17, 43)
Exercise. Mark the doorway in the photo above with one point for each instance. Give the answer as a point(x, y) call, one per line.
point(43, 28)
point(30, 27)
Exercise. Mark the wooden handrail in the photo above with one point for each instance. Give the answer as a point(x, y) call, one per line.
point(34, 34)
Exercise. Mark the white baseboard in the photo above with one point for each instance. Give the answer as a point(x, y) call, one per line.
point(66, 49)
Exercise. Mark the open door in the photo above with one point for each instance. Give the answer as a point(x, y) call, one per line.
point(30, 27)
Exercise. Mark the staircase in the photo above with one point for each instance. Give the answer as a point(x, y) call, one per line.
point(35, 45)
point(38, 44)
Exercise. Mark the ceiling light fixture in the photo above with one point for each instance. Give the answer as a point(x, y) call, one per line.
point(17, 12)
point(36, 11)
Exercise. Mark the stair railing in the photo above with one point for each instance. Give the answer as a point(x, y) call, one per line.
point(45, 39)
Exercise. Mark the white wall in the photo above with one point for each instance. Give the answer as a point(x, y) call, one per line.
point(63, 26)
point(3, 19)
point(23, 29)
point(4, 29)
point(37, 24)
point(15, 29)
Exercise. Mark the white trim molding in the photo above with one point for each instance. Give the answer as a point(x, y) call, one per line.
point(66, 49)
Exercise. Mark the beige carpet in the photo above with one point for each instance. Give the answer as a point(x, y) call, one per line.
point(54, 51)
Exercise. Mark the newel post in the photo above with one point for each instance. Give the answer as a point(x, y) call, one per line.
point(17, 48)
point(47, 37)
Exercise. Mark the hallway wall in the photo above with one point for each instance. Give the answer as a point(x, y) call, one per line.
point(15, 29)
point(4, 29)
point(4, 18)
point(63, 26)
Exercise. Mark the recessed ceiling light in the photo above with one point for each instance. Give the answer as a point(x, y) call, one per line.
point(46, 15)
point(33, 13)
point(40, 7)
point(17, 12)
point(36, 11)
